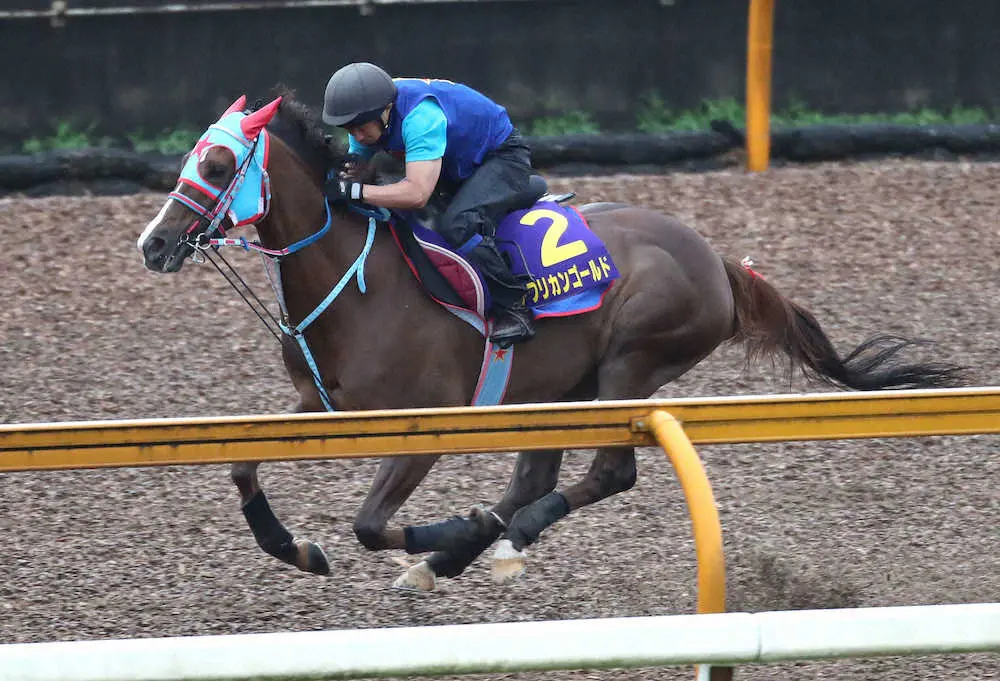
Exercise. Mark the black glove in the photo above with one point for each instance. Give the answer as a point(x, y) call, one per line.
point(357, 169)
point(339, 191)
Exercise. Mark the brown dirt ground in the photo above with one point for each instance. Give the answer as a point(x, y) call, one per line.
point(899, 246)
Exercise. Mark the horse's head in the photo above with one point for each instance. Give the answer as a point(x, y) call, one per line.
point(223, 184)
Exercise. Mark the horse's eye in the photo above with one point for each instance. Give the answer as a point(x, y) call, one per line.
point(215, 173)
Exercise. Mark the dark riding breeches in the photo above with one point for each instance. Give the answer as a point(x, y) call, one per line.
point(476, 209)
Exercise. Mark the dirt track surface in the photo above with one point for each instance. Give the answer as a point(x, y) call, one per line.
point(87, 333)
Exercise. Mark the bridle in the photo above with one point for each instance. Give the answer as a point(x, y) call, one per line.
point(230, 202)
point(242, 207)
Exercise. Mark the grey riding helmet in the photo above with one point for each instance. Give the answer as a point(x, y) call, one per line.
point(356, 94)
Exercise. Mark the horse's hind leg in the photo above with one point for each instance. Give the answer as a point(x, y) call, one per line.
point(535, 475)
point(612, 471)
point(270, 534)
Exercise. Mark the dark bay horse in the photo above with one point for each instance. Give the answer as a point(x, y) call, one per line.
point(393, 347)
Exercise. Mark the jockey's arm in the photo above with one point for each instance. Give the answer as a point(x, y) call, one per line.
point(425, 137)
point(410, 193)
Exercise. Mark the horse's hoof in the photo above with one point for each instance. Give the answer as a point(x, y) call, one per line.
point(311, 558)
point(420, 577)
point(508, 563)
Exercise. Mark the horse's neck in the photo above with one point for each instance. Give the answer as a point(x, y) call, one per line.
point(350, 339)
point(308, 275)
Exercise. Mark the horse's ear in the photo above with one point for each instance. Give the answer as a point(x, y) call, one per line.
point(238, 105)
point(255, 122)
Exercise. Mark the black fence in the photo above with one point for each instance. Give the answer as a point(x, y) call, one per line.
point(115, 172)
point(148, 72)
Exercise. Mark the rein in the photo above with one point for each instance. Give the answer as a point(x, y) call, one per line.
point(272, 267)
point(247, 245)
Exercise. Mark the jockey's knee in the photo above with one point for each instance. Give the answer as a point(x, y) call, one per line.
point(457, 229)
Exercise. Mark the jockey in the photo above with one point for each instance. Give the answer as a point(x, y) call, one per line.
point(452, 139)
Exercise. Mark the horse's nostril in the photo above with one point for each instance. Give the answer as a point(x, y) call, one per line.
point(153, 247)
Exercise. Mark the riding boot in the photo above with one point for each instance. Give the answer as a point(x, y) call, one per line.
point(513, 321)
point(513, 325)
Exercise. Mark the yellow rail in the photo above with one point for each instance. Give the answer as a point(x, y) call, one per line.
point(821, 416)
point(673, 424)
point(704, 518)
point(704, 523)
point(759, 46)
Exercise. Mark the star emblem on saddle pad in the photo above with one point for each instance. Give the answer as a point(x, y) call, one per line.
point(499, 354)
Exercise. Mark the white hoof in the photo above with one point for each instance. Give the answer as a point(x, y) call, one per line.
point(508, 563)
point(420, 577)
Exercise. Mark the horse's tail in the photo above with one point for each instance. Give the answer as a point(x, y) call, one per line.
point(767, 323)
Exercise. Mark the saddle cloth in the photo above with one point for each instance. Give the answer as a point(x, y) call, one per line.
point(569, 267)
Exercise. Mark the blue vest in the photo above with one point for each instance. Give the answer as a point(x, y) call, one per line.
point(476, 124)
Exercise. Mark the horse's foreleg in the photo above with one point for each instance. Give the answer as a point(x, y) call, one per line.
point(394, 482)
point(270, 534)
point(459, 541)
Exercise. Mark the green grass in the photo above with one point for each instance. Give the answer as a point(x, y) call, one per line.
point(64, 137)
point(572, 123)
point(653, 115)
point(68, 138)
point(798, 114)
point(178, 141)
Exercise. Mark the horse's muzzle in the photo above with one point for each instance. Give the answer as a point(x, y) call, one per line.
point(158, 257)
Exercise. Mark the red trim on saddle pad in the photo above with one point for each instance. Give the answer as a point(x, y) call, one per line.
point(458, 274)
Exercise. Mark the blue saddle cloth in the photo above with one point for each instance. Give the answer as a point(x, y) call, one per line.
point(569, 267)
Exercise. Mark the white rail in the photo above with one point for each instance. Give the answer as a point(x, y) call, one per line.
point(732, 638)
point(60, 9)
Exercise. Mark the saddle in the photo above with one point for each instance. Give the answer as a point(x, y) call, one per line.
point(568, 267)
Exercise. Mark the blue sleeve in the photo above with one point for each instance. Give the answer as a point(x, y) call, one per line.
point(425, 131)
point(356, 147)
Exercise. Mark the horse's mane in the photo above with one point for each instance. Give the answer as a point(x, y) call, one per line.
point(300, 128)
